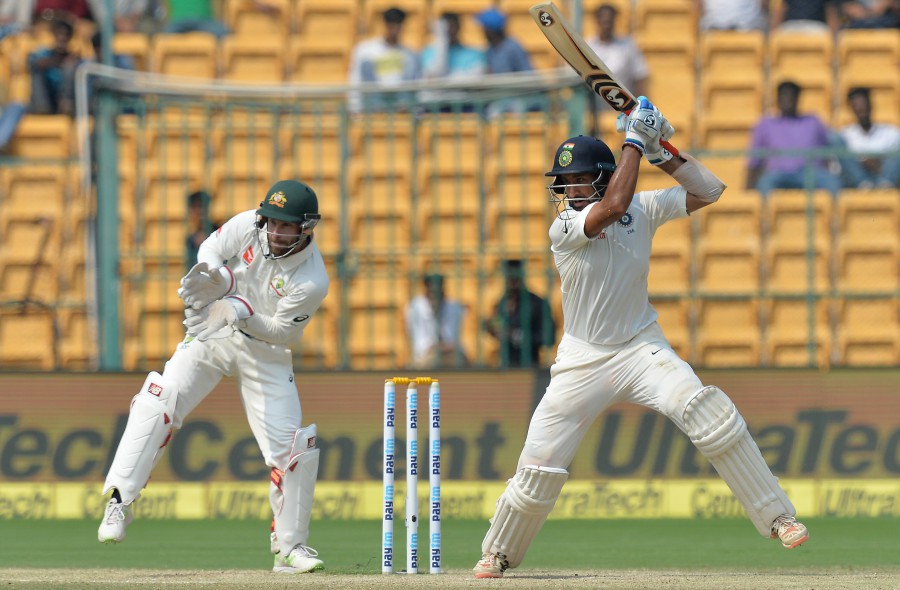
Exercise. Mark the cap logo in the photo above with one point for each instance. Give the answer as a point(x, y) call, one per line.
point(565, 158)
point(277, 199)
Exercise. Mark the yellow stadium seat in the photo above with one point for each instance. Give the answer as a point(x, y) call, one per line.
point(176, 140)
point(246, 20)
point(797, 230)
point(666, 18)
point(868, 332)
point(792, 337)
point(675, 321)
point(450, 209)
point(245, 139)
point(380, 210)
point(377, 339)
point(321, 22)
point(31, 192)
point(77, 344)
point(721, 132)
point(383, 142)
point(27, 339)
point(134, 45)
point(455, 142)
point(318, 349)
point(185, 54)
point(28, 272)
point(164, 191)
point(728, 248)
point(310, 145)
point(867, 244)
point(152, 339)
point(732, 54)
point(524, 142)
point(43, 136)
point(737, 98)
point(728, 333)
point(314, 62)
point(804, 58)
point(237, 189)
point(874, 49)
point(253, 59)
point(670, 258)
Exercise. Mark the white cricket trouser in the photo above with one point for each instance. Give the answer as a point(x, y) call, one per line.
point(265, 377)
point(585, 379)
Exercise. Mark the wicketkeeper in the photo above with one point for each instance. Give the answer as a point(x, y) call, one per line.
point(258, 281)
point(613, 349)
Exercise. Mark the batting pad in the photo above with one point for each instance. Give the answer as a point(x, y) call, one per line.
point(716, 427)
point(291, 493)
point(146, 433)
point(521, 511)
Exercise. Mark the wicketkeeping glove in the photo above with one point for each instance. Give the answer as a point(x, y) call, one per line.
point(222, 313)
point(644, 125)
point(202, 285)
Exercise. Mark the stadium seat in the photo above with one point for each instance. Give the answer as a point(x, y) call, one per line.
point(247, 21)
point(670, 59)
point(518, 211)
point(384, 141)
point(670, 258)
point(77, 343)
point(739, 98)
point(27, 339)
point(873, 49)
point(728, 246)
point(134, 45)
point(318, 349)
point(675, 318)
point(253, 59)
point(867, 241)
point(377, 339)
point(796, 227)
point(30, 192)
point(450, 209)
point(868, 332)
point(793, 338)
point(245, 139)
point(177, 140)
point(455, 142)
point(380, 209)
point(728, 333)
point(151, 339)
point(520, 26)
point(30, 267)
point(732, 54)
point(43, 136)
point(238, 189)
point(163, 192)
point(805, 58)
point(185, 54)
point(326, 22)
point(314, 62)
point(665, 18)
point(524, 142)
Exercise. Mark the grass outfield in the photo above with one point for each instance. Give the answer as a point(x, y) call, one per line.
point(849, 553)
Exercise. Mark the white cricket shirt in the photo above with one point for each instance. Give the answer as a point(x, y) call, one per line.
point(284, 293)
point(604, 279)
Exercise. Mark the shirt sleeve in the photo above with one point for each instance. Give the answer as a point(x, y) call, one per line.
point(291, 317)
point(225, 242)
point(664, 205)
point(567, 233)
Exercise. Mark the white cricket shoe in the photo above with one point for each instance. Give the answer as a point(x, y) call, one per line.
point(790, 531)
point(491, 565)
point(300, 560)
point(116, 517)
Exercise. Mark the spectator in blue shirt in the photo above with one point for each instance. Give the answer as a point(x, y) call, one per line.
point(49, 67)
point(448, 59)
point(504, 56)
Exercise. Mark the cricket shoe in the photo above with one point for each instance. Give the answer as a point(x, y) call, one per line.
point(790, 531)
point(300, 560)
point(491, 565)
point(116, 517)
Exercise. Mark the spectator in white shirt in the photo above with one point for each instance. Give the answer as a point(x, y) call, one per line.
point(876, 147)
point(433, 325)
point(736, 15)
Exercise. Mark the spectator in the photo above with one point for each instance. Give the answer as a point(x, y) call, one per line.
point(734, 15)
point(200, 15)
point(447, 58)
point(522, 321)
point(504, 54)
point(15, 16)
point(433, 325)
point(621, 54)
point(794, 132)
point(200, 226)
point(68, 10)
point(120, 61)
point(384, 62)
point(50, 67)
point(864, 138)
point(870, 14)
point(10, 115)
point(809, 16)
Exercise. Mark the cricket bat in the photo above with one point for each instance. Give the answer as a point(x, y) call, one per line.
point(584, 60)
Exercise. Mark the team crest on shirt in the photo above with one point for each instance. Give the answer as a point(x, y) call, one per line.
point(277, 285)
point(626, 220)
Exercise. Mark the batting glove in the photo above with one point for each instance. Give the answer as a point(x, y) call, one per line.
point(202, 285)
point(221, 314)
point(643, 125)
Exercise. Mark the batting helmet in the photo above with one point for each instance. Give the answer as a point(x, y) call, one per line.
point(291, 201)
point(580, 155)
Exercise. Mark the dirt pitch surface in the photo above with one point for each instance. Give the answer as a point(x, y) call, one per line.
point(455, 579)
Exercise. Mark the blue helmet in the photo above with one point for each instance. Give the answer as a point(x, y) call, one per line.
point(580, 155)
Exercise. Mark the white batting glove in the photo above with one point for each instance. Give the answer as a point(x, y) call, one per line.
point(202, 285)
point(643, 125)
point(193, 318)
point(222, 313)
point(654, 152)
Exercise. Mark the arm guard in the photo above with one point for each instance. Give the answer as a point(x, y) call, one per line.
point(698, 180)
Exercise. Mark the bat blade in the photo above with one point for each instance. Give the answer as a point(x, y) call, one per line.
point(584, 60)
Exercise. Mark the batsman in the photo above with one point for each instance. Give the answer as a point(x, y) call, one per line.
point(258, 281)
point(612, 349)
